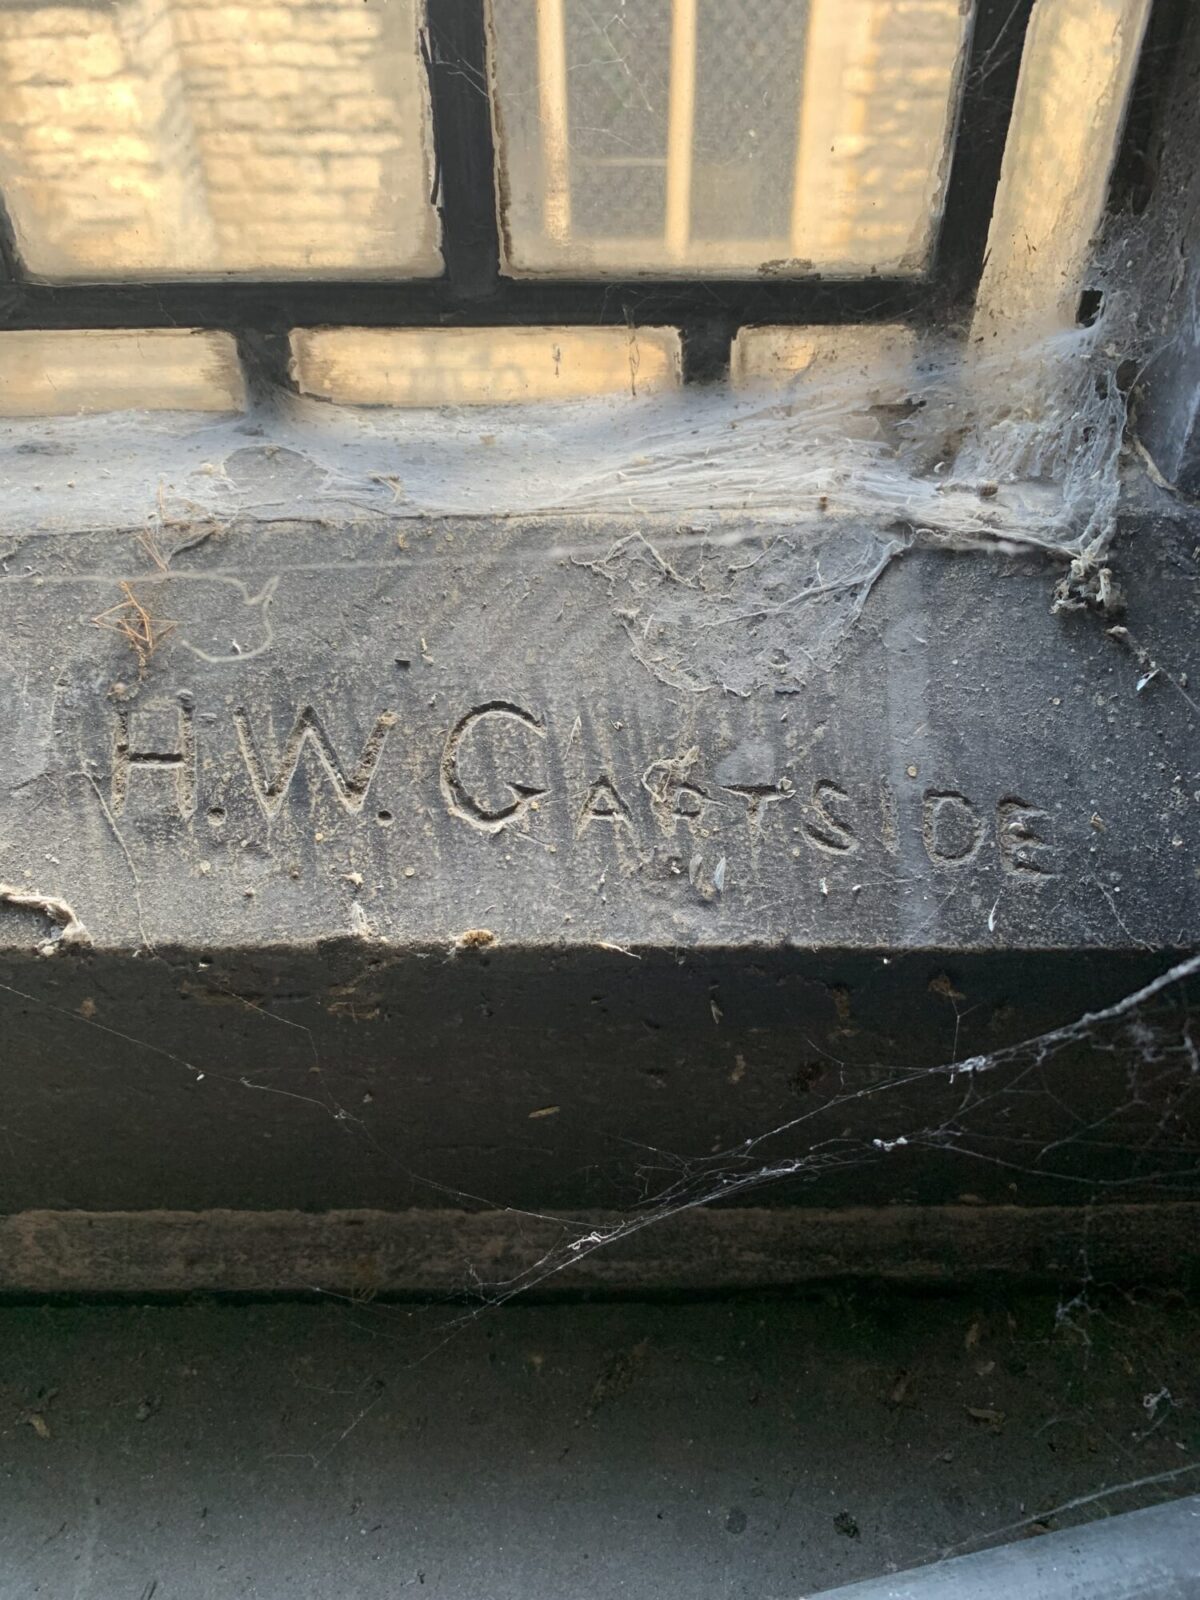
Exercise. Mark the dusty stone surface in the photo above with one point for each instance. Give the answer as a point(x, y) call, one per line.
point(557, 862)
point(744, 1448)
point(572, 733)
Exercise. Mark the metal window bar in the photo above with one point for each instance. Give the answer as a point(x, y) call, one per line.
point(553, 110)
point(681, 119)
point(473, 290)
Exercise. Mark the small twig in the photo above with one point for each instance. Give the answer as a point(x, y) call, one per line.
point(133, 621)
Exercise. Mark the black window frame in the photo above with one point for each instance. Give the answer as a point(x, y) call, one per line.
point(473, 290)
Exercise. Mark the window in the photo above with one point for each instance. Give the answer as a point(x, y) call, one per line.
point(256, 168)
point(702, 137)
point(157, 138)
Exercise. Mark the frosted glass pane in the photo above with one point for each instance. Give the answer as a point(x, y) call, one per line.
point(874, 357)
point(67, 371)
point(704, 136)
point(482, 366)
point(156, 138)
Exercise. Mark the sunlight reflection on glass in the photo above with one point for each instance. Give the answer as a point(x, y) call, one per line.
point(165, 137)
point(689, 136)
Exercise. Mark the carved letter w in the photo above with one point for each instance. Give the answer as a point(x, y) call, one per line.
point(271, 788)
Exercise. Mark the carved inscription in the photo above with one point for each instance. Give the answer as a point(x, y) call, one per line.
point(177, 765)
point(760, 795)
point(1025, 837)
point(604, 804)
point(499, 762)
point(674, 794)
point(828, 822)
point(475, 729)
point(272, 780)
point(951, 828)
point(889, 827)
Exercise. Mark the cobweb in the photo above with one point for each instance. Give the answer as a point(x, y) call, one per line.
point(1014, 1113)
point(1145, 1040)
point(784, 507)
point(772, 511)
point(788, 505)
point(776, 510)
point(835, 488)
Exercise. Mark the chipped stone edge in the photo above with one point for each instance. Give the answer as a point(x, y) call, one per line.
point(71, 929)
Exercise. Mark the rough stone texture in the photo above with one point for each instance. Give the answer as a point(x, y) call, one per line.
point(1168, 395)
point(400, 732)
point(95, 144)
point(737, 1449)
point(706, 1250)
point(383, 868)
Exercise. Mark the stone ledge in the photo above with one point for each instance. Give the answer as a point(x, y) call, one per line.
point(590, 733)
point(364, 1254)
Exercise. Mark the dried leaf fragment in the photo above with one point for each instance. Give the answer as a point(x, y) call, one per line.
point(985, 1414)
